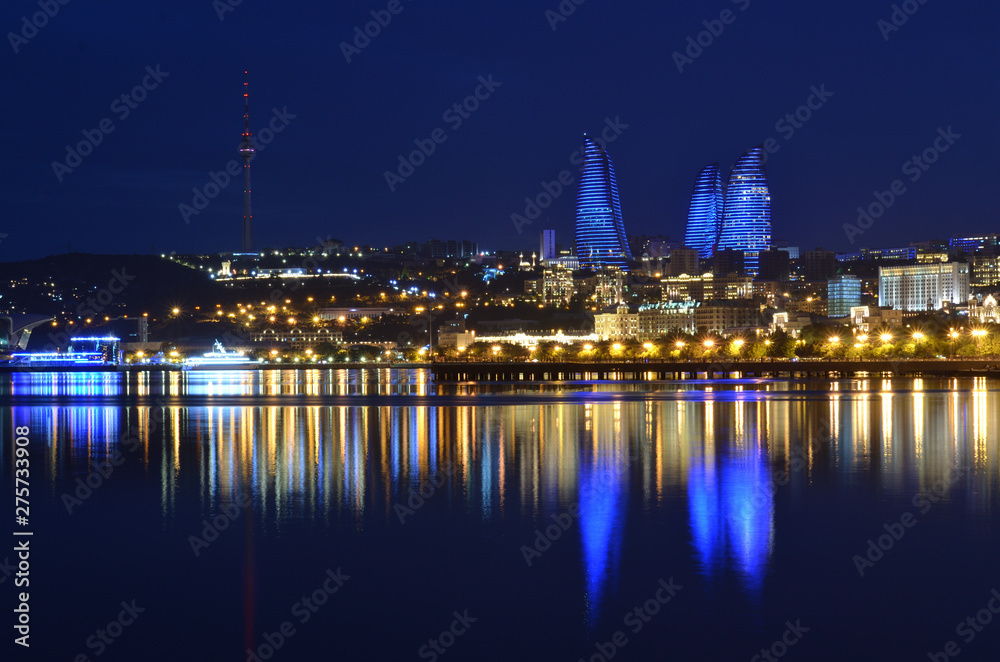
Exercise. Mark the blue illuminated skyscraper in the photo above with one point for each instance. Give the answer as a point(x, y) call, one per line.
point(746, 218)
point(600, 232)
point(705, 213)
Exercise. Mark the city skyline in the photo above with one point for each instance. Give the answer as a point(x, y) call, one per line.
point(840, 126)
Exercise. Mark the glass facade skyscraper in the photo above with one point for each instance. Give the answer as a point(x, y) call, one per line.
point(600, 232)
point(746, 218)
point(843, 293)
point(705, 213)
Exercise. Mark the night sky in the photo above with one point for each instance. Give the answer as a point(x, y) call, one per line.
point(888, 90)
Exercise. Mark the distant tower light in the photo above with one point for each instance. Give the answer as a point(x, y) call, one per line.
point(247, 153)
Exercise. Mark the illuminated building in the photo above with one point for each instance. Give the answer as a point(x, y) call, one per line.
point(842, 294)
point(297, 338)
point(921, 287)
point(718, 316)
point(707, 287)
point(547, 245)
point(705, 212)
point(557, 286)
point(618, 323)
point(82, 352)
point(600, 231)
point(649, 322)
point(746, 219)
point(454, 334)
point(985, 271)
point(986, 244)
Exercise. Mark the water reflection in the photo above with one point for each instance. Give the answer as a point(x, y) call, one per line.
point(711, 450)
point(603, 486)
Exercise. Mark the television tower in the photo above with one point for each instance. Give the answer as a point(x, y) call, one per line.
point(247, 153)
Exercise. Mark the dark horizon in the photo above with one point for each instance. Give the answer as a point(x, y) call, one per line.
point(532, 82)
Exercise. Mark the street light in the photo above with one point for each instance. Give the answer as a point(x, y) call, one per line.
point(918, 336)
point(680, 344)
point(886, 337)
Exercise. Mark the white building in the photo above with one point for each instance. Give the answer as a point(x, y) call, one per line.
point(618, 325)
point(920, 287)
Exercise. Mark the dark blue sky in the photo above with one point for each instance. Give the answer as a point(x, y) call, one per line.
point(324, 173)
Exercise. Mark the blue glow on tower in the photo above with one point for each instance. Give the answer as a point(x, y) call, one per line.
point(746, 219)
point(705, 213)
point(600, 232)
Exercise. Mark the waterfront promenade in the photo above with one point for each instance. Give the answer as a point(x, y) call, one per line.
point(721, 369)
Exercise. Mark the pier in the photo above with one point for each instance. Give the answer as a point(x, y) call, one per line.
point(676, 370)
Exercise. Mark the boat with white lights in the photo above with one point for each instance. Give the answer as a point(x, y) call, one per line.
point(220, 358)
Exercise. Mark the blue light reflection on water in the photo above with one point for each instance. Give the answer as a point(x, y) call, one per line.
point(602, 500)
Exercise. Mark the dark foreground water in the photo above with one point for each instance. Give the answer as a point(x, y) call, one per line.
point(372, 515)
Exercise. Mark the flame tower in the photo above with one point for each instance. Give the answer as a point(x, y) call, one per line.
point(705, 214)
point(600, 232)
point(247, 152)
point(746, 217)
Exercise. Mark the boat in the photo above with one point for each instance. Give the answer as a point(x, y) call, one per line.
point(220, 358)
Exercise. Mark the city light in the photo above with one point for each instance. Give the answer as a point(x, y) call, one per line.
point(886, 337)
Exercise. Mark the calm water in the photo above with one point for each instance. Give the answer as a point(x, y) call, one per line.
point(374, 515)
